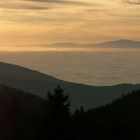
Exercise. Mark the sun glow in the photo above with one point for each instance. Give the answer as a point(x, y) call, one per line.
point(28, 22)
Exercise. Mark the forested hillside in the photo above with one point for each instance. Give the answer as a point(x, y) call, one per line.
point(24, 116)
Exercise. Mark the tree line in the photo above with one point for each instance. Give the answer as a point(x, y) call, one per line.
point(116, 121)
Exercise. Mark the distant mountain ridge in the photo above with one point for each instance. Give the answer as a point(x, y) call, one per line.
point(38, 84)
point(120, 43)
point(114, 43)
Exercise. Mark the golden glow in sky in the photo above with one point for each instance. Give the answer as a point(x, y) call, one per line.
point(28, 22)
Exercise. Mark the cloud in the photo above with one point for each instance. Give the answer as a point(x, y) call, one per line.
point(68, 2)
point(40, 4)
point(136, 2)
point(21, 5)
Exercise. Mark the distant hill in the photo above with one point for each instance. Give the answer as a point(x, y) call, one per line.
point(66, 44)
point(38, 84)
point(120, 43)
point(114, 43)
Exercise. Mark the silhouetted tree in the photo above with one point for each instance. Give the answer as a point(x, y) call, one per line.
point(58, 104)
point(58, 114)
point(79, 111)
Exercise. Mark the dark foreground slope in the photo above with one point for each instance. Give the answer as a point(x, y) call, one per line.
point(38, 84)
point(119, 120)
point(20, 114)
point(24, 117)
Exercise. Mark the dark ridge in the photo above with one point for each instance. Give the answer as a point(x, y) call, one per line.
point(38, 84)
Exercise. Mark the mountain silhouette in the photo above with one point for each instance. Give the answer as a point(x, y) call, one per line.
point(120, 43)
point(38, 84)
point(115, 43)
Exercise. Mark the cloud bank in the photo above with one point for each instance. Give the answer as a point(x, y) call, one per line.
point(49, 21)
point(39, 4)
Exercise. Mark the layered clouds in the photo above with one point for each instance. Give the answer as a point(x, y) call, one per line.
point(48, 21)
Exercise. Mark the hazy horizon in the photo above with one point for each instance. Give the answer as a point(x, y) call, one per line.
point(108, 46)
point(97, 68)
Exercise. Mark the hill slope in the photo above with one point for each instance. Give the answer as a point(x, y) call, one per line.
point(18, 110)
point(121, 118)
point(38, 84)
point(21, 118)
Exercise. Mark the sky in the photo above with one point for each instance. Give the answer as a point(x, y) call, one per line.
point(33, 22)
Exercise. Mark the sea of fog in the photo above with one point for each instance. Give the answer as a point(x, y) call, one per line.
point(93, 67)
